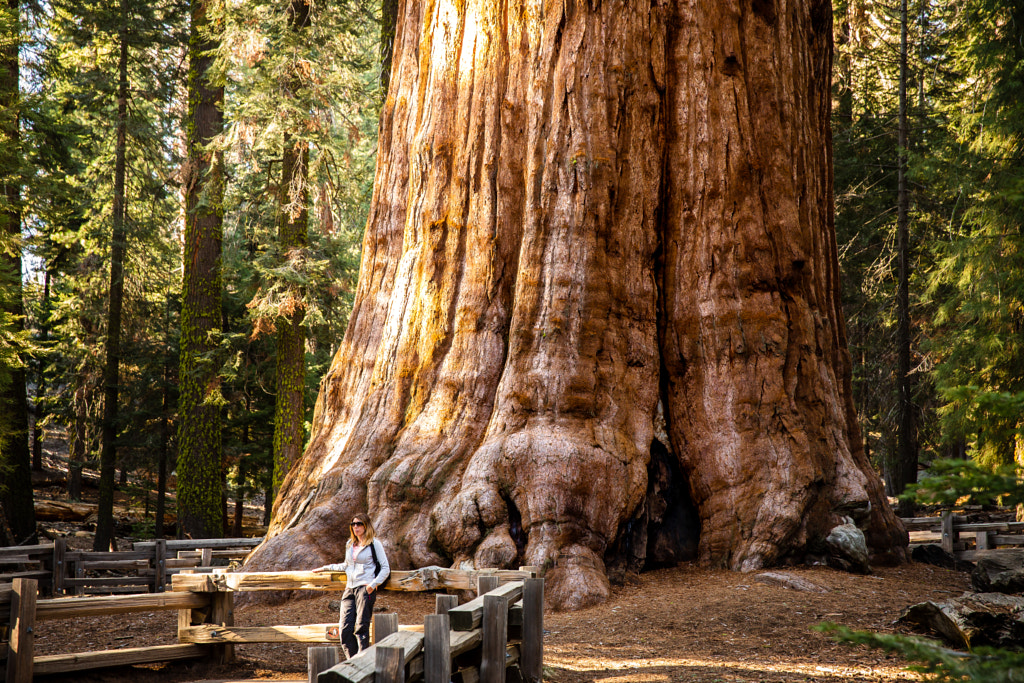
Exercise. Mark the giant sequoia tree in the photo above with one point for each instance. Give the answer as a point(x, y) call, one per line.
point(599, 282)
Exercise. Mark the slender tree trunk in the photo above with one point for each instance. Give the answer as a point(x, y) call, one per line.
point(15, 459)
point(292, 236)
point(906, 446)
point(165, 428)
point(44, 336)
point(118, 250)
point(79, 440)
point(597, 232)
point(200, 453)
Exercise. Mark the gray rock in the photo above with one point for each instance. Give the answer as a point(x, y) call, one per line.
point(791, 581)
point(847, 545)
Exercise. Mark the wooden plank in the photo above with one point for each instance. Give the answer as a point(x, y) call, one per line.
point(389, 665)
point(222, 613)
point(259, 581)
point(335, 581)
point(69, 608)
point(437, 651)
point(108, 581)
point(39, 575)
point(439, 578)
point(443, 603)
point(949, 536)
point(229, 554)
point(160, 566)
point(360, 669)
point(471, 674)
point(55, 664)
point(21, 646)
point(175, 545)
point(212, 634)
point(20, 559)
point(974, 555)
point(384, 625)
point(60, 549)
point(495, 627)
point(470, 615)
point(35, 551)
point(1005, 527)
point(319, 659)
point(981, 540)
point(1003, 539)
point(485, 583)
point(115, 565)
point(96, 556)
point(532, 664)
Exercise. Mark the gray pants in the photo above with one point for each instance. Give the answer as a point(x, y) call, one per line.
point(356, 612)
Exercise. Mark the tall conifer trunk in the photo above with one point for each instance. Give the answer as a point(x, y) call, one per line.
point(200, 511)
point(15, 459)
point(292, 238)
point(600, 261)
point(115, 302)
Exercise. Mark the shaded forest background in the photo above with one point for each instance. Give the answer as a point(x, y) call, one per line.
point(106, 163)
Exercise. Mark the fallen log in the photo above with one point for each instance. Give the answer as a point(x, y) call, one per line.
point(63, 511)
point(975, 619)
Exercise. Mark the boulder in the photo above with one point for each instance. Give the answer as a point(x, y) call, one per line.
point(1002, 573)
point(848, 548)
point(974, 619)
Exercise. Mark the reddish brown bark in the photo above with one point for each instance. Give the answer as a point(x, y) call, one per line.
point(596, 227)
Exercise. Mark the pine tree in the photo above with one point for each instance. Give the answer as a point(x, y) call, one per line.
point(200, 428)
point(15, 460)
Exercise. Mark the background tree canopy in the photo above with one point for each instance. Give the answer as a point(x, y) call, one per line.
point(88, 86)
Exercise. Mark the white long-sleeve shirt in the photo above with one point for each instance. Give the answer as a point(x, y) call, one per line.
point(359, 568)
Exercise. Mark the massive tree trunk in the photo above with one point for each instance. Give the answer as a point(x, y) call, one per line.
point(599, 232)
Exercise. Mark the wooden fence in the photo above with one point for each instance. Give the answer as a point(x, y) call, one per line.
point(206, 625)
point(147, 567)
point(964, 539)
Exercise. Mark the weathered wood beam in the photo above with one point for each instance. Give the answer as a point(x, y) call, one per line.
point(55, 664)
point(470, 615)
point(69, 608)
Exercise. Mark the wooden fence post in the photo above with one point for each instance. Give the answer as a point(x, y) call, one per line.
point(384, 625)
point(222, 613)
point(532, 657)
point(320, 659)
point(949, 537)
point(60, 548)
point(495, 639)
point(21, 646)
point(390, 665)
point(443, 603)
point(160, 566)
point(437, 651)
point(206, 559)
point(485, 583)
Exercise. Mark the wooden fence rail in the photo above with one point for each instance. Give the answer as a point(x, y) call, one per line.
point(964, 539)
point(147, 566)
point(206, 629)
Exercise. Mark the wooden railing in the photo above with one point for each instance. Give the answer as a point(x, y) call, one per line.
point(964, 539)
point(147, 567)
point(206, 626)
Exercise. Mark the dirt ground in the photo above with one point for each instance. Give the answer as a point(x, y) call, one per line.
point(683, 624)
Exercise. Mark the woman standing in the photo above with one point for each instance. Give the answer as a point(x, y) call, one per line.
point(366, 568)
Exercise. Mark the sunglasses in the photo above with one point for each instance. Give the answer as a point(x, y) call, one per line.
point(357, 524)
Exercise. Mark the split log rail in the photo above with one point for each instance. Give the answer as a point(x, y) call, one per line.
point(147, 567)
point(477, 648)
point(963, 539)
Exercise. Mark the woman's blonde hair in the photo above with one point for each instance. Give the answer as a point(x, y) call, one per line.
point(367, 527)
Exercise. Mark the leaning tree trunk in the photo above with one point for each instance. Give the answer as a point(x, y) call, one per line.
point(597, 229)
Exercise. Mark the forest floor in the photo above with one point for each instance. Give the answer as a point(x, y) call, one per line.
point(676, 625)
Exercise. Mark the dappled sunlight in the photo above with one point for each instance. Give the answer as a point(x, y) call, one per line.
point(608, 670)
